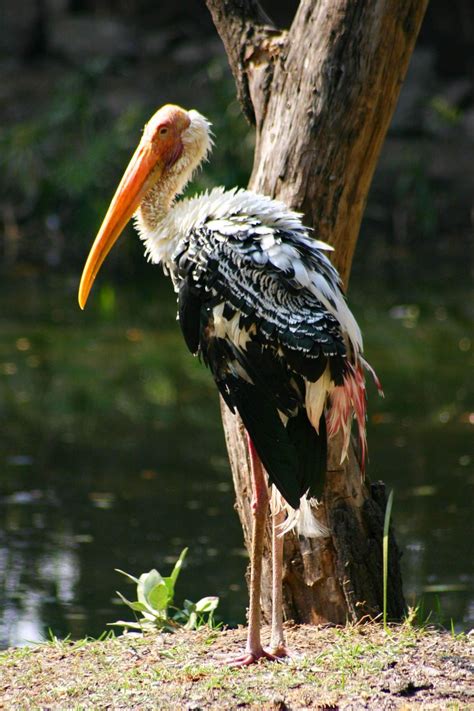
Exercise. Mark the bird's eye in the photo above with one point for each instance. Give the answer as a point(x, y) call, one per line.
point(163, 131)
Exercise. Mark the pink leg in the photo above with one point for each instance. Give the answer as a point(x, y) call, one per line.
point(254, 650)
point(277, 641)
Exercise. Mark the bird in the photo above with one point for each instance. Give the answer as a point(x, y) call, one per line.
point(261, 304)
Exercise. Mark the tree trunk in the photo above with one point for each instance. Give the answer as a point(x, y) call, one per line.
point(321, 96)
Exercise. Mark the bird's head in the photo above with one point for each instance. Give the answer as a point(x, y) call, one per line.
point(173, 144)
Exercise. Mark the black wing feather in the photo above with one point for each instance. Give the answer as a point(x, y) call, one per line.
point(269, 436)
point(271, 375)
point(189, 313)
point(311, 449)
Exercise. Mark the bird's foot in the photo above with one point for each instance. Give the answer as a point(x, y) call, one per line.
point(278, 651)
point(255, 657)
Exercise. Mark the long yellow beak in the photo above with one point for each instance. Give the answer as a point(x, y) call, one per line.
point(142, 172)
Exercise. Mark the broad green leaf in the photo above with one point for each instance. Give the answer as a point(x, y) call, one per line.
point(207, 604)
point(158, 597)
point(147, 582)
point(124, 623)
point(192, 622)
point(127, 575)
point(150, 616)
point(137, 606)
point(177, 566)
point(169, 582)
point(180, 617)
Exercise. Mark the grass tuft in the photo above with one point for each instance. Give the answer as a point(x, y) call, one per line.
point(386, 527)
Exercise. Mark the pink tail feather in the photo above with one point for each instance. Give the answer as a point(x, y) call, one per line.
point(347, 401)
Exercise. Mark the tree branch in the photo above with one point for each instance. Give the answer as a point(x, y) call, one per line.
point(251, 42)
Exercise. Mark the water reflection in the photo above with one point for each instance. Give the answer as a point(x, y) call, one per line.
point(112, 454)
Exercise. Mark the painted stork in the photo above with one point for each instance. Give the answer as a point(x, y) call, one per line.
point(262, 305)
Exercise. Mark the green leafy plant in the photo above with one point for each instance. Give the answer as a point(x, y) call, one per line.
point(155, 596)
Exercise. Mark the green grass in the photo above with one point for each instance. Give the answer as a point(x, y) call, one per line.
point(332, 665)
point(386, 528)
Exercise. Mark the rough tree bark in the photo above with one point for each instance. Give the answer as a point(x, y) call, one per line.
point(321, 96)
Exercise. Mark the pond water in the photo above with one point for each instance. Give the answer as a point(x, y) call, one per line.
point(112, 454)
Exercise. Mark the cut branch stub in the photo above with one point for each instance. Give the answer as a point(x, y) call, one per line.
point(248, 35)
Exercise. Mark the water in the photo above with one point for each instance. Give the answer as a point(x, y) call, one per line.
point(112, 454)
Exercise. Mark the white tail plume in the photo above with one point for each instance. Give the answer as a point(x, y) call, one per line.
point(303, 519)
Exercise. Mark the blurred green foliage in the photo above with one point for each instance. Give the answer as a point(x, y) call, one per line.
point(66, 150)
point(415, 198)
point(59, 169)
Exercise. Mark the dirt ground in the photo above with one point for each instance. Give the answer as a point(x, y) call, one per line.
point(329, 668)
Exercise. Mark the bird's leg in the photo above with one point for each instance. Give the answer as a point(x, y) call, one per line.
point(254, 650)
point(277, 641)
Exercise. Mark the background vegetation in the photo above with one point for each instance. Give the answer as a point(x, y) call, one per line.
point(111, 453)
